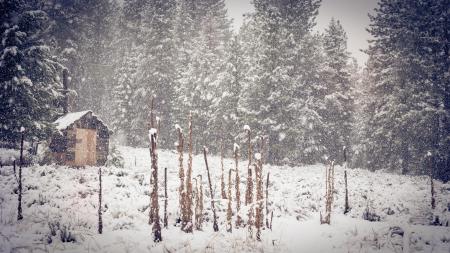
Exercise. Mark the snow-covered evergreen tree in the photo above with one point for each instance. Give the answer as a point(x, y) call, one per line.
point(82, 36)
point(225, 116)
point(337, 95)
point(155, 75)
point(29, 82)
point(128, 43)
point(279, 99)
point(203, 78)
point(408, 78)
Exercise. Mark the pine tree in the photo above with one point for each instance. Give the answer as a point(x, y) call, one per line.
point(282, 63)
point(82, 37)
point(409, 110)
point(225, 116)
point(337, 96)
point(128, 43)
point(156, 70)
point(29, 75)
point(202, 76)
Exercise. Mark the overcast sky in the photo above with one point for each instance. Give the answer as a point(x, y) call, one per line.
point(351, 13)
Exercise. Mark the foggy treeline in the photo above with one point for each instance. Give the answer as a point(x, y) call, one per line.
point(299, 88)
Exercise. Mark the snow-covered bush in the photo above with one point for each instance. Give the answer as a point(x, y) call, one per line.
point(115, 158)
point(64, 232)
point(370, 215)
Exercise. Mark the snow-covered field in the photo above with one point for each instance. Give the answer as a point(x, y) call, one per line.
point(60, 199)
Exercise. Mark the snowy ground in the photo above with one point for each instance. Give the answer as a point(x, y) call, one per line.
point(65, 199)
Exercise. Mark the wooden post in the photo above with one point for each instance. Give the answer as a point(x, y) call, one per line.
point(100, 221)
point(19, 182)
point(21, 148)
point(150, 220)
point(165, 199)
point(347, 207)
point(19, 207)
point(267, 200)
point(433, 200)
point(215, 225)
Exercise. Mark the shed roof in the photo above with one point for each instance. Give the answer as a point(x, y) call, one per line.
point(68, 119)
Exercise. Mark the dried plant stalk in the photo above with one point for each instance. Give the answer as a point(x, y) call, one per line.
point(249, 190)
point(200, 206)
point(260, 164)
point(181, 193)
point(329, 186)
point(198, 196)
point(187, 223)
point(271, 219)
point(213, 208)
point(222, 180)
point(229, 209)
point(237, 182)
point(259, 199)
point(154, 194)
point(249, 201)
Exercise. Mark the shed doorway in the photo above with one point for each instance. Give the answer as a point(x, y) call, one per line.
point(85, 148)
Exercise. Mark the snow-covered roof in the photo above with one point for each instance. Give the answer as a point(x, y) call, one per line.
point(68, 119)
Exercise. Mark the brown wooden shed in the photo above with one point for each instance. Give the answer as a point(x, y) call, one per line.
point(82, 139)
